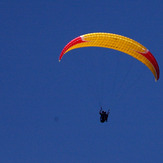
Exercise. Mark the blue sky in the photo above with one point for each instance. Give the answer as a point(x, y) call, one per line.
point(49, 110)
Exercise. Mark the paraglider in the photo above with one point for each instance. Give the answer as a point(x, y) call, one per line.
point(104, 115)
point(116, 42)
point(119, 43)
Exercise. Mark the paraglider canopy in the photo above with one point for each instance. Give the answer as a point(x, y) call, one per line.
point(116, 42)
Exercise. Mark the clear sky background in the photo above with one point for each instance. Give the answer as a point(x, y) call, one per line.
point(49, 110)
